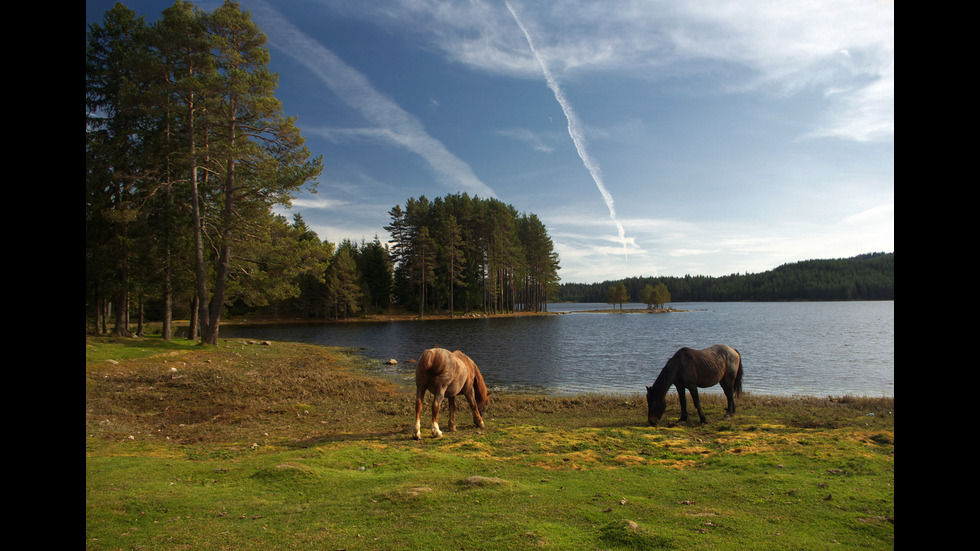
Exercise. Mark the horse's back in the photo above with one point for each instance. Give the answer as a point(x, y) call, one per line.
point(722, 349)
point(728, 355)
point(432, 363)
point(707, 366)
point(465, 360)
point(441, 370)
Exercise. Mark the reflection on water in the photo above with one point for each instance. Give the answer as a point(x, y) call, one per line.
point(810, 348)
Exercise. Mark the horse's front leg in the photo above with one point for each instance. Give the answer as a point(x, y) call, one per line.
point(452, 412)
point(436, 402)
point(683, 401)
point(477, 418)
point(697, 404)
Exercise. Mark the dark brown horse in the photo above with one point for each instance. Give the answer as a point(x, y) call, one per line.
point(690, 369)
point(446, 374)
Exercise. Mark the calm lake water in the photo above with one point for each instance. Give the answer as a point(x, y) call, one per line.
point(788, 348)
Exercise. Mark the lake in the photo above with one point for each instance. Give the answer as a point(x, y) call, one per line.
point(788, 348)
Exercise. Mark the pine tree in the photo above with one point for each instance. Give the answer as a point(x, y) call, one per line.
point(455, 262)
point(262, 157)
point(116, 51)
point(182, 43)
point(343, 288)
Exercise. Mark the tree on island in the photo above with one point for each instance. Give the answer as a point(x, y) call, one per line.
point(618, 295)
point(655, 295)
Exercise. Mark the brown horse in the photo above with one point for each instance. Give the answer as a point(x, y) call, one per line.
point(446, 374)
point(690, 369)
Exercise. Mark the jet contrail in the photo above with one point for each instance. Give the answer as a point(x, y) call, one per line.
point(574, 129)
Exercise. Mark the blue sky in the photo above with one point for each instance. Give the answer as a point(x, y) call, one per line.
point(650, 137)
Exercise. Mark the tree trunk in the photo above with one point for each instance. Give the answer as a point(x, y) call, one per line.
point(167, 331)
point(192, 325)
point(200, 271)
point(139, 318)
point(210, 335)
point(122, 297)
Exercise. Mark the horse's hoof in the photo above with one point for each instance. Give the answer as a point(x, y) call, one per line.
point(416, 436)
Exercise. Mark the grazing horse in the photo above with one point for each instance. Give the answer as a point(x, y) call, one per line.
point(446, 374)
point(690, 369)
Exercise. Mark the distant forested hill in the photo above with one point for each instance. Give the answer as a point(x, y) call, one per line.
point(864, 277)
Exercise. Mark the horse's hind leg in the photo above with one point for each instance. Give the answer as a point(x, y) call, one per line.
point(436, 402)
point(730, 394)
point(417, 434)
point(452, 413)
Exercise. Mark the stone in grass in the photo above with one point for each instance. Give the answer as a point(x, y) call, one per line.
point(628, 533)
point(483, 481)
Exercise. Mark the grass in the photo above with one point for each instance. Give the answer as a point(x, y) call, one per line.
point(283, 445)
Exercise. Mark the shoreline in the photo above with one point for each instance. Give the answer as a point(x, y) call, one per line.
point(376, 318)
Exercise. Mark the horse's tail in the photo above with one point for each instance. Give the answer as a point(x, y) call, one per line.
point(738, 375)
point(426, 359)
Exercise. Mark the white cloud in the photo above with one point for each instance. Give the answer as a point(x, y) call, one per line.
point(864, 115)
point(390, 121)
point(774, 46)
point(316, 203)
point(524, 135)
point(692, 252)
point(883, 215)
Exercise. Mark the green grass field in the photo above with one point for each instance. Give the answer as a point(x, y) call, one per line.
point(285, 446)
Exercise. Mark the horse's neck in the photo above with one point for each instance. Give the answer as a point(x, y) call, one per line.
point(666, 378)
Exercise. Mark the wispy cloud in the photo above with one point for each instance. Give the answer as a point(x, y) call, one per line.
point(765, 45)
point(528, 137)
point(692, 252)
point(389, 121)
point(864, 115)
point(883, 213)
point(316, 203)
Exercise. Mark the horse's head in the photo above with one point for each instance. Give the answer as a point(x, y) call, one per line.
point(482, 399)
point(655, 406)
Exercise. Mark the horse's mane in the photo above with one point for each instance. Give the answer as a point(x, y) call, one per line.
point(666, 378)
point(479, 386)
